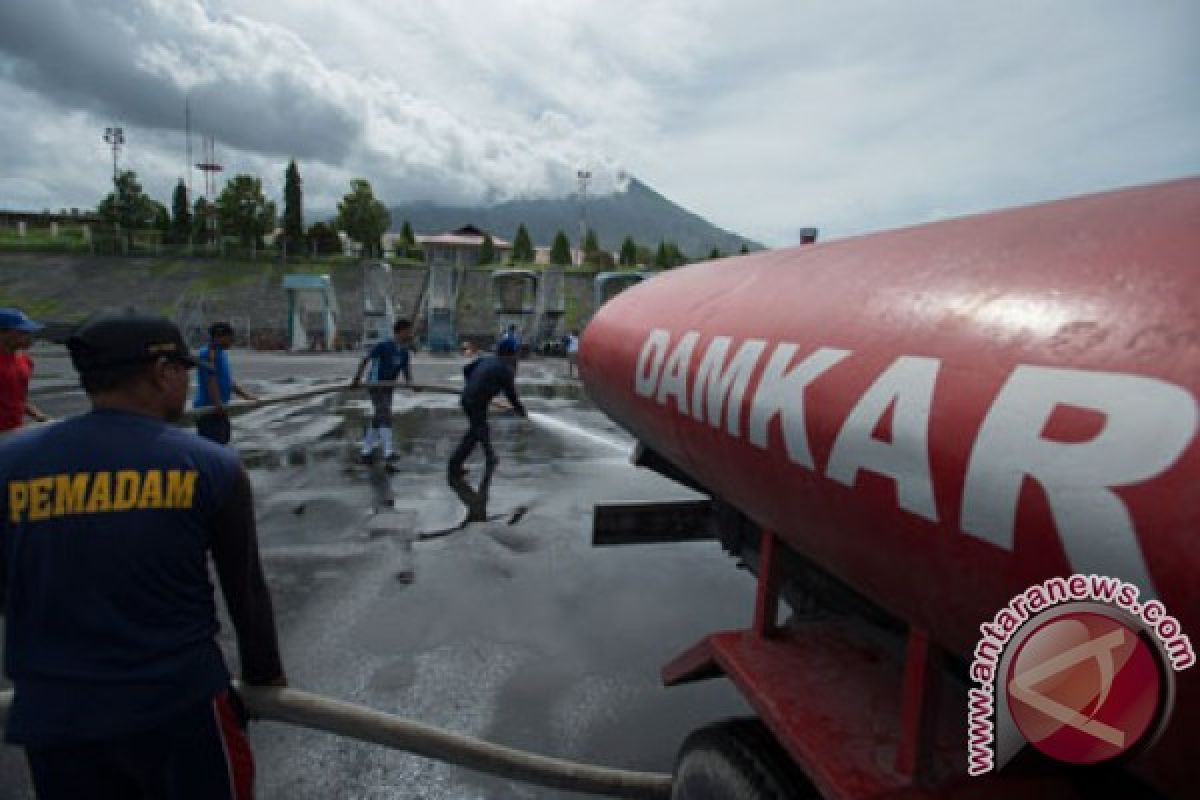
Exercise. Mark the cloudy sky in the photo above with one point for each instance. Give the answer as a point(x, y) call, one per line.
point(761, 115)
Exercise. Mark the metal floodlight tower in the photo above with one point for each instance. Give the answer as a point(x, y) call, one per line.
point(210, 168)
point(584, 176)
point(116, 139)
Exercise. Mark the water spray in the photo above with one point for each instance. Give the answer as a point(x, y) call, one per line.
point(569, 429)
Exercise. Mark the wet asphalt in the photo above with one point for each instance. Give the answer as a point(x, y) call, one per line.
point(479, 606)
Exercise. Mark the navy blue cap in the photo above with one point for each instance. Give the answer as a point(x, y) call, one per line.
point(14, 319)
point(116, 340)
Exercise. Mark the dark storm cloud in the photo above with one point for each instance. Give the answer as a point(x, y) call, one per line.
point(135, 62)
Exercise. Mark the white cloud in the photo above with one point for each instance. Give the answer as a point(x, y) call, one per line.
point(762, 116)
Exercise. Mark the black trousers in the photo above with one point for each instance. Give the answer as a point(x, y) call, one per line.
point(381, 405)
point(200, 754)
point(477, 433)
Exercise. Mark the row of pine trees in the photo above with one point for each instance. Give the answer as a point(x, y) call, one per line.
point(242, 210)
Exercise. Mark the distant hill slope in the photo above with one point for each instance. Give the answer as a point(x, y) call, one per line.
point(639, 212)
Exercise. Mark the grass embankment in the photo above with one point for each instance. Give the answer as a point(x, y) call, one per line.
point(38, 240)
point(195, 275)
point(34, 307)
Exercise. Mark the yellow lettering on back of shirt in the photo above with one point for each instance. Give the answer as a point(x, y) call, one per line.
point(181, 488)
point(70, 493)
point(101, 496)
point(39, 497)
point(129, 481)
point(18, 499)
point(152, 496)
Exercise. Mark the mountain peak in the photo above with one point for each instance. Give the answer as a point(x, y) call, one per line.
point(637, 210)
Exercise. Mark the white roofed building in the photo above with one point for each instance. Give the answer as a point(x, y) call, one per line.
point(461, 248)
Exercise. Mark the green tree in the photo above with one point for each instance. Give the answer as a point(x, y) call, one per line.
point(590, 244)
point(744, 249)
point(629, 257)
point(201, 213)
point(293, 207)
point(668, 255)
point(487, 251)
point(675, 255)
point(324, 239)
point(405, 245)
point(715, 253)
point(181, 215)
point(601, 259)
point(522, 252)
point(244, 210)
point(127, 207)
point(162, 218)
point(560, 251)
point(363, 218)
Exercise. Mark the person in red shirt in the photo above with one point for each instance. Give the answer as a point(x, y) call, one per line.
point(16, 334)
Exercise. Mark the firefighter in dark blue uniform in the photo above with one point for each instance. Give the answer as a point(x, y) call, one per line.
point(107, 521)
point(485, 378)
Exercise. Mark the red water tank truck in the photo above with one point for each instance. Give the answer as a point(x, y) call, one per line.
point(902, 432)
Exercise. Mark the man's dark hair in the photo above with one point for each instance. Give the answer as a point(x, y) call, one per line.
point(220, 329)
point(107, 380)
point(401, 325)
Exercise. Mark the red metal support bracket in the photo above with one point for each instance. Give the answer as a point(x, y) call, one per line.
point(918, 713)
point(766, 604)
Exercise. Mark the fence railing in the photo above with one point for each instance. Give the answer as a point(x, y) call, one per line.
point(79, 239)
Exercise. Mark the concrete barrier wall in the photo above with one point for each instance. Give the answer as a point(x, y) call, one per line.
point(67, 287)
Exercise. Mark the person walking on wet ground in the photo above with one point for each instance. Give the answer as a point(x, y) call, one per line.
point(487, 377)
point(215, 386)
point(107, 523)
point(572, 350)
point(510, 339)
point(388, 359)
point(471, 354)
point(16, 368)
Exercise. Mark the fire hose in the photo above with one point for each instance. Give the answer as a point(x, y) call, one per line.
point(307, 710)
point(236, 409)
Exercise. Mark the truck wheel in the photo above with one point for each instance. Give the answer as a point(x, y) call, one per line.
point(737, 759)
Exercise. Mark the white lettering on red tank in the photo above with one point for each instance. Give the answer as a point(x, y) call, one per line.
point(906, 387)
point(650, 361)
point(1147, 425)
point(675, 374)
point(721, 389)
point(781, 392)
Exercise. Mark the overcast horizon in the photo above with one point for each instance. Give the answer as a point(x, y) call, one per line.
point(763, 117)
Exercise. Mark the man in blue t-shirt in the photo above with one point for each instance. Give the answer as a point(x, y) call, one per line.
point(486, 377)
point(107, 523)
point(215, 386)
point(388, 359)
point(510, 340)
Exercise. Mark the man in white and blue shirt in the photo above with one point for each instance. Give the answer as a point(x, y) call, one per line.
point(388, 359)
